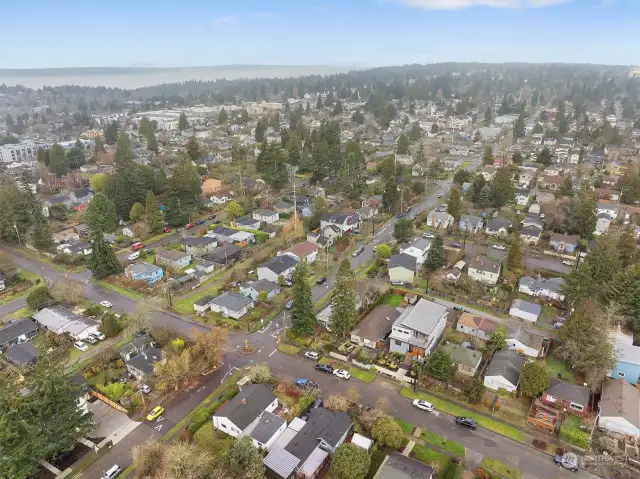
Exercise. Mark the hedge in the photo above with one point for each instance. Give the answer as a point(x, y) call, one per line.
point(203, 415)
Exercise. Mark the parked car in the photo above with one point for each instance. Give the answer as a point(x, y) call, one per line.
point(342, 373)
point(358, 251)
point(312, 355)
point(567, 262)
point(398, 283)
point(569, 461)
point(399, 215)
point(466, 422)
point(499, 247)
point(424, 405)
point(188, 226)
point(321, 280)
point(99, 336)
point(144, 388)
point(80, 345)
point(428, 235)
point(90, 339)
point(106, 304)
point(166, 229)
point(306, 383)
point(287, 282)
point(216, 221)
point(456, 245)
point(113, 472)
point(155, 413)
point(289, 304)
point(136, 246)
point(439, 195)
point(133, 256)
point(200, 222)
point(325, 368)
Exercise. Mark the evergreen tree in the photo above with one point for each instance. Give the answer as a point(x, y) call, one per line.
point(337, 109)
point(100, 215)
point(402, 145)
point(581, 218)
point(390, 195)
point(111, 133)
point(545, 157)
point(152, 215)
point(43, 156)
point(515, 258)
point(58, 163)
point(41, 237)
point(487, 157)
point(175, 213)
point(502, 190)
point(517, 158)
point(567, 187)
point(358, 117)
point(152, 143)
point(344, 313)
point(102, 261)
point(98, 147)
point(183, 123)
point(624, 290)
point(261, 128)
point(441, 366)
point(403, 230)
point(193, 148)
point(435, 257)
point(185, 184)
point(137, 212)
point(627, 248)
point(223, 116)
point(302, 315)
point(271, 164)
point(293, 150)
point(75, 157)
point(416, 131)
point(125, 187)
point(319, 103)
point(454, 204)
point(518, 127)
point(534, 379)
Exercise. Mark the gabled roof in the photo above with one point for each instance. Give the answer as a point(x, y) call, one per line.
point(222, 231)
point(231, 301)
point(420, 243)
point(620, 399)
point(267, 426)
point(22, 354)
point(378, 322)
point(526, 306)
point(570, 392)
point(483, 263)
point(171, 254)
point(197, 240)
point(143, 268)
point(247, 405)
point(340, 218)
point(567, 239)
point(508, 364)
point(423, 317)
point(403, 260)
point(261, 285)
point(495, 224)
point(526, 337)
point(303, 249)
point(265, 212)
point(531, 231)
point(478, 322)
point(280, 264)
point(460, 355)
point(627, 353)
point(540, 283)
point(146, 359)
point(397, 466)
point(14, 330)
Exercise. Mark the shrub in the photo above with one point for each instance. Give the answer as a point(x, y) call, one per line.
point(305, 402)
point(39, 298)
point(481, 474)
point(93, 310)
point(114, 391)
point(538, 444)
point(387, 431)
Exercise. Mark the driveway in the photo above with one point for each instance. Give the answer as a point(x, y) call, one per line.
point(106, 419)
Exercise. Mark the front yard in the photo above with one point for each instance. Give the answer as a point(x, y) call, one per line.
point(504, 470)
point(25, 282)
point(444, 443)
point(435, 459)
point(362, 375)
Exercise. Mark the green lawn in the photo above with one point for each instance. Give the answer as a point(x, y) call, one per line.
point(216, 443)
point(444, 443)
point(406, 427)
point(288, 349)
point(325, 360)
point(25, 312)
point(185, 305)
point(134, 295)
point(431, 457)
point(500, 468)
point(26, 276)
point(454, 410)
point(555, 367)
point(362, 375)
point(394, 300)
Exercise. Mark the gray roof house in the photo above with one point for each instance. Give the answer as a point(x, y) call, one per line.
point(402, 268)
point(136, 346)
point(375, 326)
point(230, 304)
point(498, 226)
point(504, 370)
point(198, 245)
point(22, 354)
point(619, 411)
point(203, 304)
point(546, 287)
point(526, 342)
point(141, 365)
point(251, 289)
point(282, 265)
point(398, 466)
point(471, 223)
point(60, 320)
point(525, 310)
point(418, 329)
point(17, 332)
point(172, 258)
point(248, 221)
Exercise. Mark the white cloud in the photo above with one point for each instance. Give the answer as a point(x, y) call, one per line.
point(220, 21)
point(461, 4)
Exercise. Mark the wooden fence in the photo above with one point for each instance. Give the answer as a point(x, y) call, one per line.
point(109, 402)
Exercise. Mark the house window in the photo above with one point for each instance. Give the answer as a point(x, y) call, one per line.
point(576, 407)
point(620, 374)
point(398, 343)
point(550, 398)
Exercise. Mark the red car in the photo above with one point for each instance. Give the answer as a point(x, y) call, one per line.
point(189, 226)
point(136, 246)
point(166, 229)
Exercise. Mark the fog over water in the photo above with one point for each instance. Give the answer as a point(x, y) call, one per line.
point(131, 78)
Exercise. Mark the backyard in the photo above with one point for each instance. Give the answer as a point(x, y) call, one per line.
point(557, 368)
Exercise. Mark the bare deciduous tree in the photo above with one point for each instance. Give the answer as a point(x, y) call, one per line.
point(337, 402)
point(68, 291)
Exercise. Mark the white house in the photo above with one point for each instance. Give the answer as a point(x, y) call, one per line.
point(525, 310)
point(418, 248)
point(439, 219)
point(619, 406)
point(484, 270)
point(522, 196)
point(305, 250)
point(418, 329)
point(550, 288)
point(220, 199)
point(504, 371)
point(282, 265)
point(60, 320)
point(232, 305)
point(610, 209)
point(345, 221)
point(603, 223)
point(250, 413)
point(525, 342)
point(402, 268)
point(266, 216)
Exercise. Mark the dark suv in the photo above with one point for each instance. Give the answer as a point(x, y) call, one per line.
point(325, 368)
point(466, 422)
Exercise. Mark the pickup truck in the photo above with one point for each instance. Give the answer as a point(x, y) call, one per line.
point(569, 461)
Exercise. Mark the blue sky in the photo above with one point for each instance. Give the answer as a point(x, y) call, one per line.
point(69, 33)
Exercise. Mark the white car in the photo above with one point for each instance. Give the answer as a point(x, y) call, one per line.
point(144, 388)
point(112, 472)
point(424, 405)
point(106, 304)
point(499, 247)
point(99, 336)
point(567, 262)
point(80, 345)
point(311, 355)
point(428, 235)
point(342, 373)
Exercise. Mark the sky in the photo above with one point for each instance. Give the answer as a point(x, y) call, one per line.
point(354, 33)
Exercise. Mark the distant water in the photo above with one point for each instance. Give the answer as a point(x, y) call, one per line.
point(132, 78)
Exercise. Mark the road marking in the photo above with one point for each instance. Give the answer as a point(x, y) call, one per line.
point(227, 373)
point(275, 334)
point(274, 351)
point(160, 419)
point(158, 428)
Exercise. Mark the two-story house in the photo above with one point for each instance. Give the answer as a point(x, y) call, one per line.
point(418, 329)
point(266, 216)
point(627, 362)
point(608, 208)
point(531, 234)
point(439, 219)
point(564, 243)
point(470, 223)
point(498, 227)
point(418, 248)
point(306, 250)
point(550, 288)
point(276, 267)
point(345, 221)
point(402, 268)
point(484, 270)
point(149, 273)
point(198, 245)
point(521, 196)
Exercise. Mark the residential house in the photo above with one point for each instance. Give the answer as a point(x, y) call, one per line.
point(526, 342)
point(203, 304)
point(252, 289)
point(521, 196)
point(595, 157)
point(525, 310)
point(568, 397)
point(250, 414)
point(77, 248)
point(306, 250)
point(573, 157)
point(283, 207)
point(142, 364)
point(564, 243)
point(454, 274)
point(488, 173)
point(399, 466)
point(470, 223)
point(59, 320)
point(80, 198)
point(136, 346)
point(127, 230)
point(619, 411)
point(374, 328)
point(211, 186)
point(402, 268)
point(452, 163)
point(19, 331)
point(484, 270)
point(459, 150)
point(224, 255)
point(182, 284)
point(345, 221)
point(418, 248)
point(198, 245)
point(231, 305)
point(525, 177)
point(439, 219)
point(477, 326)
point(304, 449)
point(504, 371)
point(82, 230)
point(550, 288)
point(331, 233)
point(551, 183)
point(247, 221)
point(373, 202)
point(418, 329)
point(223, 234)
point(498, 227)
point(22, 354)
point(220, 198)
point(627, 362)
point(608, 208)
point(531, 234)
point(367, 213)
point(467, 360)
point(272, 269)
point(171, 258)
point(149, 273)
point(266, 216)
